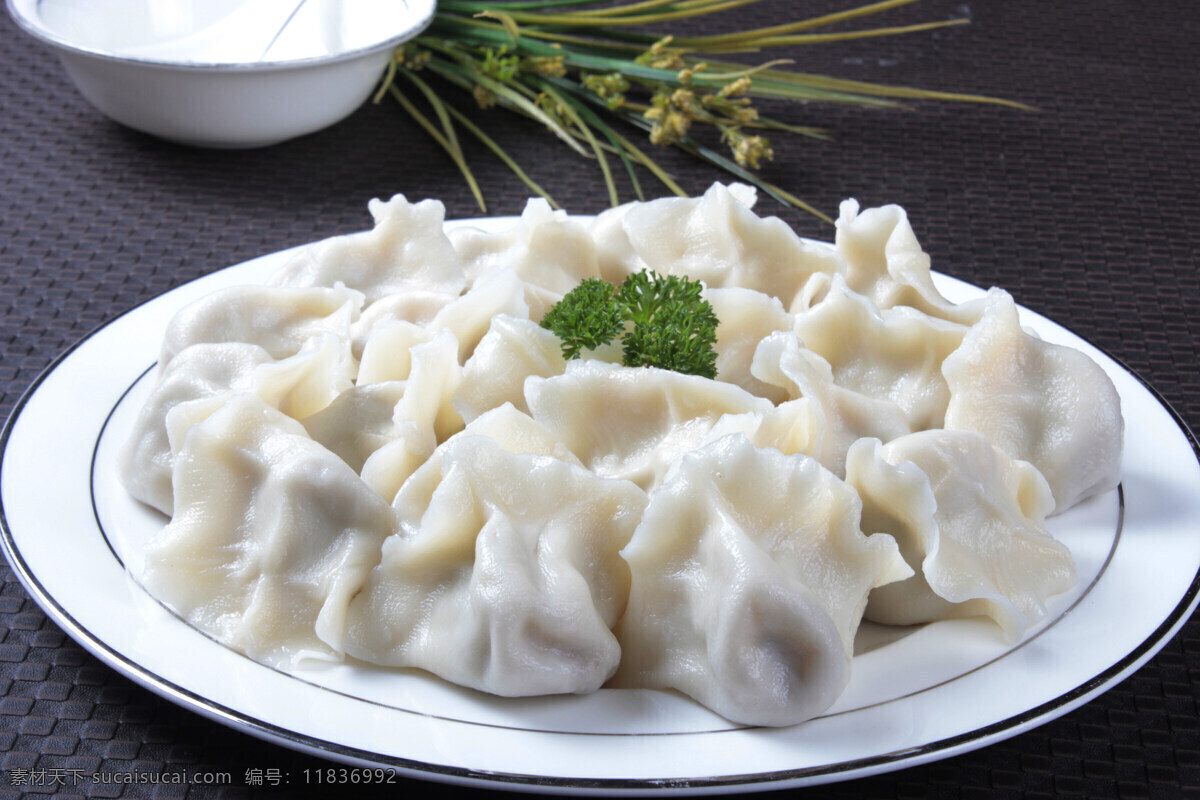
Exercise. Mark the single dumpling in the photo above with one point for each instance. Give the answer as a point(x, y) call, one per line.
point(549, 251)
point(272, 536)
point(422, 417)
point(615, 254)
point(416, 308)
point(279, 320)
point(749, 578)
point(513, 430)
point(884, 261)
point(498, 290)
point(970, 521)
point(891, 355)
point(201, 378)
point(633, 422)
point(1039, 402)
point(836, 416)
point(387, 351)
point(505, 575)
point(717, 239)
point(358, 422)
point(406, 251)
point(746, 318)
point(512, 350)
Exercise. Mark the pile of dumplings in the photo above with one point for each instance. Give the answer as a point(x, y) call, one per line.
point(381, 455)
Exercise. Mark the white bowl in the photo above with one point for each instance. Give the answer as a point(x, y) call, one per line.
point(224, 73)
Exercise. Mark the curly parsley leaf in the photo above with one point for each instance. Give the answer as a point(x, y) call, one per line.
point(673, 326)
point(586, 318)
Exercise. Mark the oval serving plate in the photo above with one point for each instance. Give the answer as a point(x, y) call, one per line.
point(916, 695)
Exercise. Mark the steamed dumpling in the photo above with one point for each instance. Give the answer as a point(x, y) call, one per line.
point(892, 355)
point(548, 250)
point(279, 320)
point(512, 350)
point(1039, 402)
point(499, 290)
point(746, 318)
point(749, 578)
point(717, 239)
point(883, 260)
point(358, 422)
point(418, 308)
point(272, 536)
point(406, 251)
point(421, 418)
point(843, 415)
point(632, 422)
point(505, 576)
point(970, 521)
point(201, 378)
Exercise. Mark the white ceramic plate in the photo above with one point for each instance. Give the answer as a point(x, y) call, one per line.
point(916, 694)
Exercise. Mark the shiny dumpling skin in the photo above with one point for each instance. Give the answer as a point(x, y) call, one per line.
point(423, 416)
point(615, 258)
point(279, 320)
point(200, 379)
point(387, 346)
point(971, 523)
point(884, 261)
point(417, 308)
point(406, 250)
point(512, 430)
point(717, 239)
point(272, 536)
point(842, 415)
point(512, 350)
point(746, 318)
point(749, 578)
point(202, 375)
point(632, 422)
point(358, 422)
point(546, 248)
point(891, 355)
point(387, 351)
point(615, 253)
point(499, 290)
point(1039, 402)
point(507, 578)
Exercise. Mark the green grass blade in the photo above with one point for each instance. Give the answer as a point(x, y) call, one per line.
point(812, 22)
point(437, 136)
point(500, 153)
point(389, 77)
point(506, 95)
point(571, 111)
point(720, 44)
point(595, 122)
point(439, 108)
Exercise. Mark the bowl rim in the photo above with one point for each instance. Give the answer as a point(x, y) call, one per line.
point(32, 25)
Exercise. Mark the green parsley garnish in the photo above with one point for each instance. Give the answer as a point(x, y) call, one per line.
point(673, 327)
point(586, 318)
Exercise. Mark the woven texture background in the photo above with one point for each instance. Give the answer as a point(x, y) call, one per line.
point(1085, 209)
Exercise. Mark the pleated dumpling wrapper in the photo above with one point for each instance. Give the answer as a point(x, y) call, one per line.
point(969, 521)
point(202, 377)
point(279, 320)
point(750, 576)
point(272, 536)
point(505, 575)
point(632, 423)
point(406, 251)
point(715, 238)
point(1040, 402)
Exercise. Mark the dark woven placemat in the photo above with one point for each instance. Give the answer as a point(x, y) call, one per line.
point(1086, 210)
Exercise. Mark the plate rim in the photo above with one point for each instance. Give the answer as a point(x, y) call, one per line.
point(811, 775)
